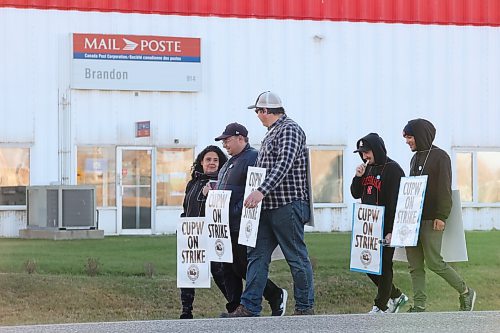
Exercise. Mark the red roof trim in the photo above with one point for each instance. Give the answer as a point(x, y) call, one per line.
point(449, 12)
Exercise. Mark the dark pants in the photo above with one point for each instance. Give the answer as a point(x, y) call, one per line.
point(235, 273)
point(187, 294)
point(386, 289)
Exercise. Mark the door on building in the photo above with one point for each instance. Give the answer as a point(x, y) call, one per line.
point(135, 190)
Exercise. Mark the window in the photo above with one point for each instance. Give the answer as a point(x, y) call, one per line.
point(464, 176)
point(97, 166)
point(326, 174)
point(478, 176)
point(14, 175)
point(173, 171)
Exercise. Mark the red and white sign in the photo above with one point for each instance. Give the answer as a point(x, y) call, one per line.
point(133, 62)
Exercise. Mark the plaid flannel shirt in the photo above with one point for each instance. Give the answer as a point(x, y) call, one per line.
point(284, 156)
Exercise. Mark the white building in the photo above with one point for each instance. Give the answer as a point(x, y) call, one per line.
point(342, 68)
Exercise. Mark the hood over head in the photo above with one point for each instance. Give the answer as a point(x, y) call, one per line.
point(423, 131)
point(374, 143)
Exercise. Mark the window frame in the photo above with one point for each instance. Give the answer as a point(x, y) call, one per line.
point(311, 147)
point(475, 186)
point(22, 146)
point(341, 148)
point(97, 145)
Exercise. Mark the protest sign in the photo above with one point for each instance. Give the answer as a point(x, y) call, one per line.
point(250, 216)
point(217, 226)
point(193, 266)
point(408, 211)
point(367, 231)
point(454, 247)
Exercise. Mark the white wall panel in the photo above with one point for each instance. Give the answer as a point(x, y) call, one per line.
point(481, 219)
point(17, 83)
point(11, 222)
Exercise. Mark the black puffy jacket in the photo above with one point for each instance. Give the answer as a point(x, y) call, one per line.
point(194, 200)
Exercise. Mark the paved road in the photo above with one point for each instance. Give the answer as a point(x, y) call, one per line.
point(436, 322)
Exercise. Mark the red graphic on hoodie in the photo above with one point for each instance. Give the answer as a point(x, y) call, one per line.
point(370, 182)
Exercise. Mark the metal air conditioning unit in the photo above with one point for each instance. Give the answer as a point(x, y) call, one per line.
point(61, 207)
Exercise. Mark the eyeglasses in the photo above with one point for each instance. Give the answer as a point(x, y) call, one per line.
point(259, 110)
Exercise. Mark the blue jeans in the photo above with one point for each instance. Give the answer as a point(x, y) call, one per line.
point(283, 226)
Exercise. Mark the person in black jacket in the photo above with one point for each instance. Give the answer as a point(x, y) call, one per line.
point(205, 168)
point(376, 182)
point(232, 177)
point(436, 164)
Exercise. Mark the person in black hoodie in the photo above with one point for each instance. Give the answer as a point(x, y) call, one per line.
point(232, 177)
point(376, 182)
point(205, 168)
point(436, 164)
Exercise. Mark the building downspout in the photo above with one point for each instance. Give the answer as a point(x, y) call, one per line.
point(64, 137)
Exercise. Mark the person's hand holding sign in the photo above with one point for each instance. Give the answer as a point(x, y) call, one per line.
point(253, 199)
point(388, 238)
point(211, 185)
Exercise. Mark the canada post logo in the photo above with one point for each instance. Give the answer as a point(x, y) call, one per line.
point(135, 47)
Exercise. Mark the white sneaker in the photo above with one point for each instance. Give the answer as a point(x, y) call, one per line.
point(376, 309)
point(390, 305)
point(395, 304)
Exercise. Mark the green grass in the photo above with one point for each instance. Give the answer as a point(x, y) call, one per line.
point(60, 291)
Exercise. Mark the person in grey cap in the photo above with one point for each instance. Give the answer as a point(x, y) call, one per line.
point(285, 209)
point(232, 176)
point(436, 164)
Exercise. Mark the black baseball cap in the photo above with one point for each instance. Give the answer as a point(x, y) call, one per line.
point(232, 130)
point(363, 146)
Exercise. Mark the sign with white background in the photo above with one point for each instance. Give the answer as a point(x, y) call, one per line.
point(249, 225)
point(217, 226)
point(193, 266)
point(133, 62)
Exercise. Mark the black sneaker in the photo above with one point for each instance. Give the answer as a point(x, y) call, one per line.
point(186, 315)
point(306, 312)
point(467, 300)
point(416, 309)
point(240, 311)
point(278, 306)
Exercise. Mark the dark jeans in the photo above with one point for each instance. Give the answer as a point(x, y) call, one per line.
point(187, 294)
point(235, 272)
point(283, 226)
point(386, 289)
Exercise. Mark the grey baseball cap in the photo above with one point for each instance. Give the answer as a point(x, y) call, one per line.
point(267, 99)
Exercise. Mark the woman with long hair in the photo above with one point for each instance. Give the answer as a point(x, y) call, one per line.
point(205, 169)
